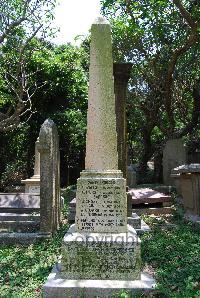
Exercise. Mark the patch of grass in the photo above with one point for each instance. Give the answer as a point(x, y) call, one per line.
point(174, 252)
point(172, 248)
point(23, 269)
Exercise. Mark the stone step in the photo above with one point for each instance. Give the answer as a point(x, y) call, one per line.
point(148, 195)
point(18, 217)
point(7, 238)
point(155, 211)
point(19, 226)
point(19, 210)
point(19, 202)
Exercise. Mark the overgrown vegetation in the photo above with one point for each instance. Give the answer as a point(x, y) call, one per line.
point(171, 250)
point(63, 72)
point(23, 269)
point(161, 40)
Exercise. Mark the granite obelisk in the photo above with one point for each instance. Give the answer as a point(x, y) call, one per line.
point(101, 141)
point(100, 253)
point(101, 190)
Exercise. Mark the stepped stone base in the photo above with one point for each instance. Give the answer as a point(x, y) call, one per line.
point(101, 255)
point(32, 185)
point(57, 286)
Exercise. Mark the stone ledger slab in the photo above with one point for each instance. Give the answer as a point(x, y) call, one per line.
point(19, 200)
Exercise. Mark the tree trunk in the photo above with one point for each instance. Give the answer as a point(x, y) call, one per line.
point(147, 150)
point(158, 167)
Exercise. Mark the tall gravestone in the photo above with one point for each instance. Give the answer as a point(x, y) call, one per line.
point(49, 178)
point(174, 155)
point(100, 252)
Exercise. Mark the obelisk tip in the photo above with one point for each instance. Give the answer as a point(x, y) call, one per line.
point(101, 20)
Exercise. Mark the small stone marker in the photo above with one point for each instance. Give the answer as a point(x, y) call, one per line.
point(131, 176)
point(37, 160)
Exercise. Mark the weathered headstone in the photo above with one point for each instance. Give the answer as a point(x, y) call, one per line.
point(32, 185)
point(131, 176)
point(49, 177)
point(100, 248)
point(174, 155)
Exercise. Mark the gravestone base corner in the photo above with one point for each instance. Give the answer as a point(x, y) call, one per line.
point(57, 286)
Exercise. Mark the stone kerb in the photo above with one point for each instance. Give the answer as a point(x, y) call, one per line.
point(49, 177)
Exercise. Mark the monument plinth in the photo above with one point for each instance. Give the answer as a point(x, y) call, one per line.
point(100, 248)
point(32, 185)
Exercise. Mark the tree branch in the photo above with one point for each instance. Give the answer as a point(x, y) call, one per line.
point(16, 23)
point(190, 41)
point(185, 14)
point(195, 113)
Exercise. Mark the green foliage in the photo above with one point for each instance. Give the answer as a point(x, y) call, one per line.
point(14, 156)
point(25, 268)
point(72, 132)
point(22, 22)
point(161, 103)
point(174, 252)
point(60, 68)
point(59, 72)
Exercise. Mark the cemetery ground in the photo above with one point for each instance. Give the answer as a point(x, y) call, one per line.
point(170, 251)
